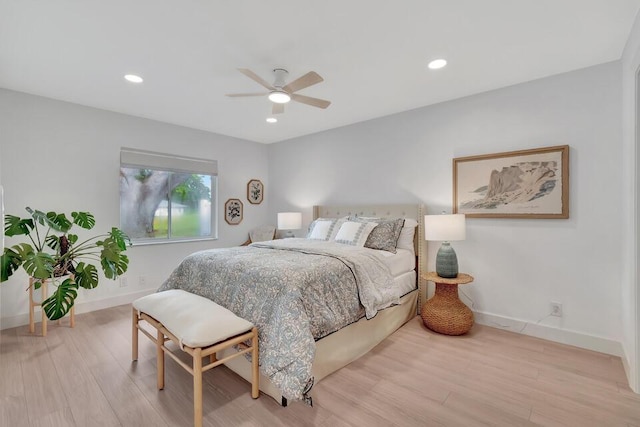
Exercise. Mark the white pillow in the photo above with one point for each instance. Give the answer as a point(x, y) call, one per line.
point(321, 229)
point(354, 233)
point(405, 241)
point(336, 227)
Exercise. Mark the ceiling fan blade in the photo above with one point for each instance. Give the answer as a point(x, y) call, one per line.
point(309, 79)
point(314, 102)
point(247, 94)
point(253, 76)
point(277, 108)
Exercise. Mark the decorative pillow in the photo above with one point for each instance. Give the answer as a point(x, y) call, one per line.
point(385, 236)
point(405, 241)
point(354, 233)
point(363, 218)
point(321, 229)
point(336, 227)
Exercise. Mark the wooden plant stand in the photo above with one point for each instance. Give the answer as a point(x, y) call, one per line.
point(33, 304)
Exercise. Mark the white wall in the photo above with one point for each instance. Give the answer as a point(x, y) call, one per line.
point(630, 295)
point(60, 156)
point(519, 265)
point(65, 157)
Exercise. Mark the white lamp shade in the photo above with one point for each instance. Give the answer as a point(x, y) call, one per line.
point(289, 220)
point(445, 228)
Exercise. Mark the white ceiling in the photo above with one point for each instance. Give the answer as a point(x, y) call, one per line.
point(372, 54)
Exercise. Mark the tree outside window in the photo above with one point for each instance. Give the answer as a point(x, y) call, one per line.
point(157, 205)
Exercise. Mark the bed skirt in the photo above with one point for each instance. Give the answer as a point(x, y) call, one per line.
point(344, 346)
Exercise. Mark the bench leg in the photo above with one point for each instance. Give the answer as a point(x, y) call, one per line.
point(197, 387)
point(255, 379)
point(160, 359)
point(134, 334)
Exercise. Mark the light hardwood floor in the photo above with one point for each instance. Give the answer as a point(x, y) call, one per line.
point(84, 377)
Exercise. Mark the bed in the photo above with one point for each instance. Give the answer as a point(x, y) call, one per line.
point(338, 348)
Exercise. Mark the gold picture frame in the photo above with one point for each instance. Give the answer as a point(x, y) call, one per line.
point(255, 191)
point(515, 184)
point(233, 211)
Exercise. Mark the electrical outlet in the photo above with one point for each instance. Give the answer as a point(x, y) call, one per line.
point(556, 309)
point(123, 282)
point(142, 281)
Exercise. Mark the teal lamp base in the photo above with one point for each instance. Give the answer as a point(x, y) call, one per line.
point(446, 261)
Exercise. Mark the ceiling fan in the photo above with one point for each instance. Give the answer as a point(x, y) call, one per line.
point(281, 93)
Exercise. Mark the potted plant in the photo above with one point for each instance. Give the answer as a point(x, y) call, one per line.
point(56, 253)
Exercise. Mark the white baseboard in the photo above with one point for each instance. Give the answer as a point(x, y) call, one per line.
point(83, 307)
point(550, 333)
point(628, 372)
point(564, 336)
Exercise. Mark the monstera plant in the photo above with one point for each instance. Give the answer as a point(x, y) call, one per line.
point(54, 253)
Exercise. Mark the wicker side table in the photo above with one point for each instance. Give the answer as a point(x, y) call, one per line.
point(444, 312)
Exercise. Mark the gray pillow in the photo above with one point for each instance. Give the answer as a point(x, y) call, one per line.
point(385, 236)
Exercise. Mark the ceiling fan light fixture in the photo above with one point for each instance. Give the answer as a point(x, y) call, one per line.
point(272, 120)
point(133, 78)
point(437, 64)
point(279, 97)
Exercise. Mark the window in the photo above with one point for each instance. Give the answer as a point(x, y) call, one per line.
point(166, 198)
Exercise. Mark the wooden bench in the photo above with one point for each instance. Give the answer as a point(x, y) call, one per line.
point(201, 328)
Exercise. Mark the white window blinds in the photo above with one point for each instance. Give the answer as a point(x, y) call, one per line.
point(132, 158)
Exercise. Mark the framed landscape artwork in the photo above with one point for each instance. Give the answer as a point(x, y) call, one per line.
point(516, 184)
point(233, 211)
point(255, 191)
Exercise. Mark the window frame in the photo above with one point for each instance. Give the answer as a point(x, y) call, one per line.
point(163, 162)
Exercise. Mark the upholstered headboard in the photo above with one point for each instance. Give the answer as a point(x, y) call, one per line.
point(416, 212)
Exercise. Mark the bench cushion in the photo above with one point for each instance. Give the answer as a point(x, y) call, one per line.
point(196, 321)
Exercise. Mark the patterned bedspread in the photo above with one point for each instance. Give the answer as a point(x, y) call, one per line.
point(294, 291)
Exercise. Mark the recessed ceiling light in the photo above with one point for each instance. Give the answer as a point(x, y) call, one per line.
point(437, 63)
point(133, 78)
point(279, 97)
point(272, 120)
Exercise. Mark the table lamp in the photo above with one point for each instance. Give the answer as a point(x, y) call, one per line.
point(445, 228)
point(289, 221)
